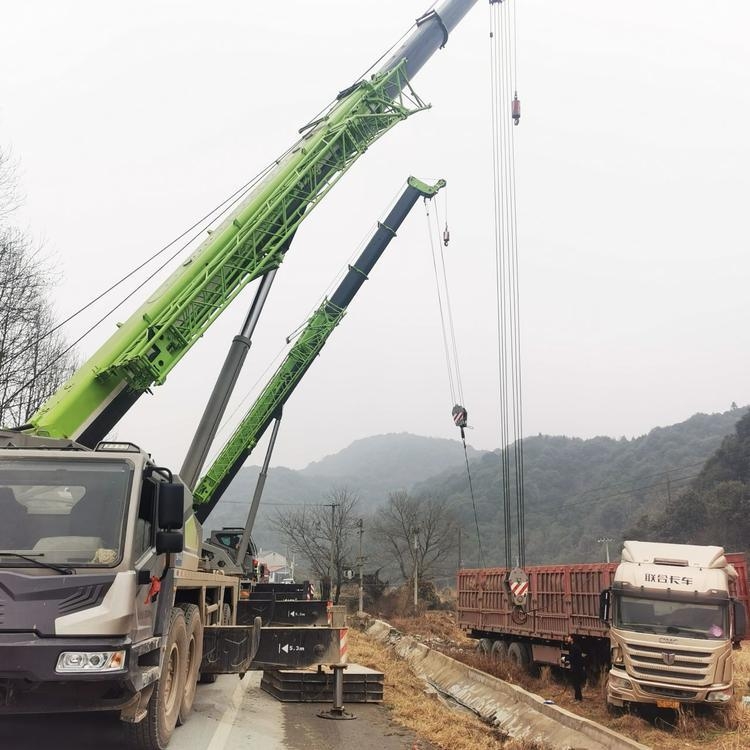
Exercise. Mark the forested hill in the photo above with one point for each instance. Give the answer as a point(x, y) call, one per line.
point(371, 467)
point(578, 491)
point(715, 509)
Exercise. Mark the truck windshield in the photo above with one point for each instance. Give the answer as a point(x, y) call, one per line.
point(686, 619)
point(63, 510)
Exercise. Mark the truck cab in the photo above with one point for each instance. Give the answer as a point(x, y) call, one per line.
point(673, 625)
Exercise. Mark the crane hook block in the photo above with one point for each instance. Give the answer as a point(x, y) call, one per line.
point(516, 109)
point(460, 416)
point(446, 236)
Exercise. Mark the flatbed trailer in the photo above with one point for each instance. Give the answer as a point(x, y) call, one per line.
point(573, 600)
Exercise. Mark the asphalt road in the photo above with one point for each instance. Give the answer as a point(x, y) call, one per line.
point(229, 715)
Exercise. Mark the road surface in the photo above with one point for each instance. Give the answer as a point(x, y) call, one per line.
point(232, 714)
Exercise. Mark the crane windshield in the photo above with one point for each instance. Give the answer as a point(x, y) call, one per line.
point(58, 510)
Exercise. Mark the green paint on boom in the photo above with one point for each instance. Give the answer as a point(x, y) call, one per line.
point(247, 245)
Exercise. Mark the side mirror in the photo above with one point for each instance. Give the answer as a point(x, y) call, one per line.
point(171, 506)
point(740, 621)
point(169, 542)
point(604, 598)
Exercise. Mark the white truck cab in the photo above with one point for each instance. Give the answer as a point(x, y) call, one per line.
point(673, 625)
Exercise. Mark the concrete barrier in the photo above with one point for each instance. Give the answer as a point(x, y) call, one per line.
point(519, 713)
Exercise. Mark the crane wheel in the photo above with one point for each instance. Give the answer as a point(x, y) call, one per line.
point(155, 730)
point(193, 655)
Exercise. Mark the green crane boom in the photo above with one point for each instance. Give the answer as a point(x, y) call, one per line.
point(249, 244)
point(315, 334)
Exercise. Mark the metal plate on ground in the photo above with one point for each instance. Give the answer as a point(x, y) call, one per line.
point(361, 685)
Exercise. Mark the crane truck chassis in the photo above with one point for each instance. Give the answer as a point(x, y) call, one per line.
point(664, 620)
point(104, 604)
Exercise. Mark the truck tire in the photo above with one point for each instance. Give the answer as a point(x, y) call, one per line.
point(518, 655)
point(193, 657)
point(499, 651)
point(484, 646)
point(155, 731)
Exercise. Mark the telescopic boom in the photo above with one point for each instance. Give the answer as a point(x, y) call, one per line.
point(320, 326)
point(249, 244)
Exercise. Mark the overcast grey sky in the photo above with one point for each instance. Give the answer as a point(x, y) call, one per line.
point(130, 120)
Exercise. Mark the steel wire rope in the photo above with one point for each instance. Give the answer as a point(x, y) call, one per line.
point(515, 287)
point(449, 333)
point(240, 192)
point(499, 225)
point(443, 332)
point(226, 204)
point(449, 310)
point(473, 503)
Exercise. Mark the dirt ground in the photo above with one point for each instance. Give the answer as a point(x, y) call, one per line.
point(725, 729)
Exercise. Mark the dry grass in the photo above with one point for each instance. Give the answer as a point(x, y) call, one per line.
point(718, 729)
point(412, 707)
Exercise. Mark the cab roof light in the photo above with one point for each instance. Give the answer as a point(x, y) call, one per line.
point(117, 447)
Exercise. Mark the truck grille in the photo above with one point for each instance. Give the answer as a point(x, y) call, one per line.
point(672, 665)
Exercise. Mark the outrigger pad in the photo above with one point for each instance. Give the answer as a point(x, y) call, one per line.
point(229, 649)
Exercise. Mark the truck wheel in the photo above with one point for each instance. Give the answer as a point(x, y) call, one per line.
point(499, 651)
point(193, 655)
point(155, 731)
point(484, 646)
point(518, 655)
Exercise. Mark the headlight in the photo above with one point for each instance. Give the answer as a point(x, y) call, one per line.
point(90, 661)
point(720, 696)
point(620, 683)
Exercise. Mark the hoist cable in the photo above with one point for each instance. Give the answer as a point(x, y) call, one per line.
point(473, 503)
point(449, 311)
point(504, 64)
point(451, 351)
point(443, 330)
point(495, 124)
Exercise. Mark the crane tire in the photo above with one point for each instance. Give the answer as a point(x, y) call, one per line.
point(193, 657)
point(155, 730)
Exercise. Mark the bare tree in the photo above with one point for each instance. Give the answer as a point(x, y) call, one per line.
point(431, 518)
point(315, 531)
point(34, 360)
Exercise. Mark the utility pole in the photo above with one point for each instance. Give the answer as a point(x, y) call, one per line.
point(460, 560)
point(332, 560)
point(416, 569)
point(605, 540)
point(360, 563)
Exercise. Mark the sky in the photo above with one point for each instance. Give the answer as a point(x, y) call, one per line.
point(129, 121)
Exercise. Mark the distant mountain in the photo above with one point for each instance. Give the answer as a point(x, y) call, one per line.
point(384, 463)
point(578, 491)
point(371, 467)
